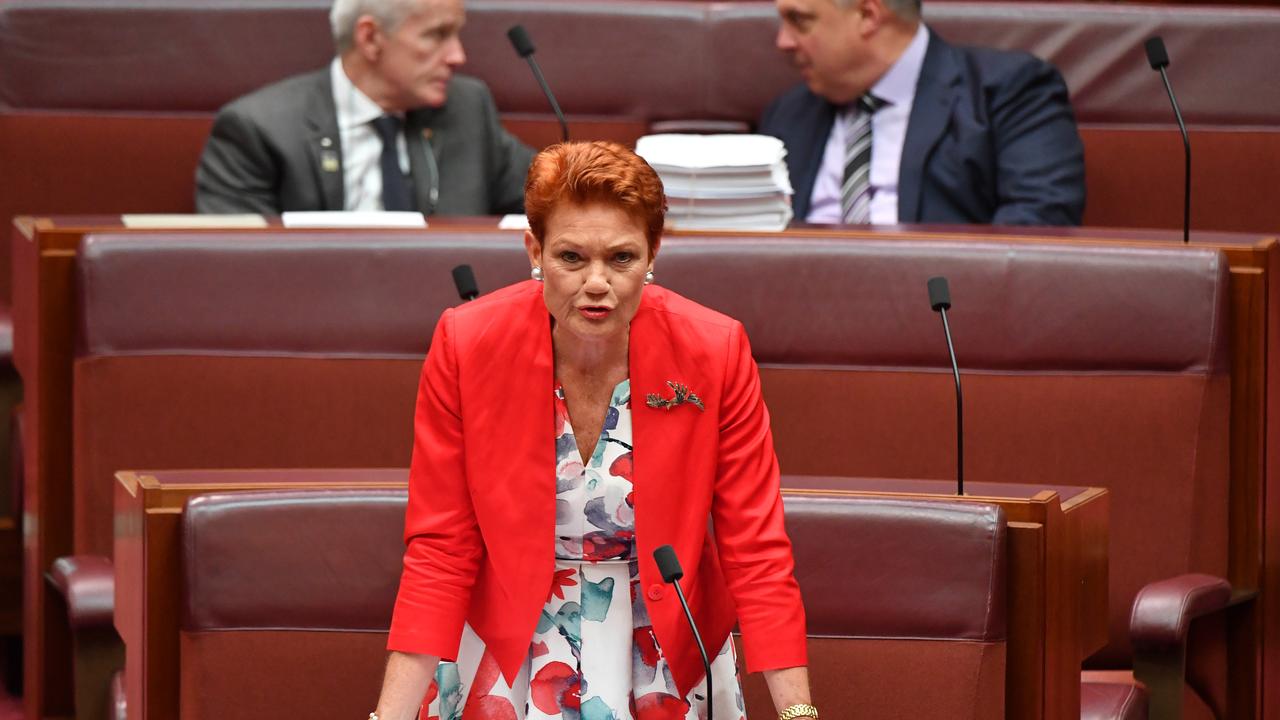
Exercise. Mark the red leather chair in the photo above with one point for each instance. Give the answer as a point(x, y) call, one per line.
point(906, 607)
point(287, 596)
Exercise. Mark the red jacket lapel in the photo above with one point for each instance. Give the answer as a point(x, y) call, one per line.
point(509, 430)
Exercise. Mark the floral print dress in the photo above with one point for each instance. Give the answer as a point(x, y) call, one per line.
point(594, 655)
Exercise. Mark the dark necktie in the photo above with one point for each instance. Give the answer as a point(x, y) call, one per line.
point(396, 194)
point(855, 191)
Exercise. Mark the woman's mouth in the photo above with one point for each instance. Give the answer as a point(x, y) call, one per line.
point(595, 312)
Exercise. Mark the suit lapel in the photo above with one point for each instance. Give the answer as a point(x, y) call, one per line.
point(930, 115)
point(423, 162)
point(324, 143)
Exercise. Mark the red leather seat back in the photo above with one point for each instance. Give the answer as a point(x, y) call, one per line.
point(905, 604)
point(287, 596)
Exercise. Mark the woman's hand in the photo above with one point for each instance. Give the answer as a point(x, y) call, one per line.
point(404, 685)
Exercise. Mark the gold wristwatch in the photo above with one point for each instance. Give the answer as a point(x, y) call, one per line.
point(799, 710)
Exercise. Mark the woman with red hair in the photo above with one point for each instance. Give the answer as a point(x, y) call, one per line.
point(539, 490)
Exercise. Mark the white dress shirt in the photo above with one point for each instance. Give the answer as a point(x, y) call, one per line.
point(361, 146)
point(888, 132)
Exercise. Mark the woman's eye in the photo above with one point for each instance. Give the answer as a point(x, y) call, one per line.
point(624, 257)
point(569, 257)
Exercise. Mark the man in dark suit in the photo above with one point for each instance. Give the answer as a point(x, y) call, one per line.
point(894, 125)
point(387, 126)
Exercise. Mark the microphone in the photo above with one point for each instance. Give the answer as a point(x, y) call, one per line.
point(1158, 57)
point(524, 48)
point(465, 280)
point(669, 567)
point(940, 301)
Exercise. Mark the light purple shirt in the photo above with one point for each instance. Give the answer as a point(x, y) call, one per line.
point(888, 132)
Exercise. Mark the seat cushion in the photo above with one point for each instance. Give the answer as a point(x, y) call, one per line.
point(1117, 695)
point(1112, 696)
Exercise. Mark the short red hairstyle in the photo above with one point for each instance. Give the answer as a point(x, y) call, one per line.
point(589, 172)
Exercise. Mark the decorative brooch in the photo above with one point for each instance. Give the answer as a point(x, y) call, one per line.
point(682, 396)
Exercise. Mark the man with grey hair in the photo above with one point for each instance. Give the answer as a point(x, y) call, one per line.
point(894, 125)
point(386, 126)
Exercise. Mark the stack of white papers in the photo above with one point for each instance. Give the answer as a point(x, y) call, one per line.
point(721, 182)
point(353, 219)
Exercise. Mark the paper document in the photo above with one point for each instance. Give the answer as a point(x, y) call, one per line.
point(361, 219)
point(721, 182)
point(710, 151)
point(179, 222)
point(513, 222)
point(767, 222)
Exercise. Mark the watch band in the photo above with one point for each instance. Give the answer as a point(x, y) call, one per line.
point(799, 710)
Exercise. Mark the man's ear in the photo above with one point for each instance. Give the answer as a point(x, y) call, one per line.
point(871, 15)
point(367, 38)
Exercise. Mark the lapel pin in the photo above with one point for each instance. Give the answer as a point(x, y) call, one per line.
point(329, 161)
point(682, 395)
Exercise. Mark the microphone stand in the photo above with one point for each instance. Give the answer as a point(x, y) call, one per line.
point(546, 90)
point(669, 568)
point(1158, 59)
point(955, 369)
point(940, 301)
point(524, 48)
point(1186, 147)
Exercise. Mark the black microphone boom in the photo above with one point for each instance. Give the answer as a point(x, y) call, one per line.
point(1158, 57)
point(940, 301)
point(524, 48)
point(465, 280)
point(669, 568)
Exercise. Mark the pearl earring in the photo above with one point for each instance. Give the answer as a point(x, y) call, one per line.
point(536, 273)
point(648, 278)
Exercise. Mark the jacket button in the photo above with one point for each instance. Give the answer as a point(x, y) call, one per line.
point(656, 592)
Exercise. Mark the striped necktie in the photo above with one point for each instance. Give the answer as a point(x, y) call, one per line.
point(855, 192)
point(396, 191)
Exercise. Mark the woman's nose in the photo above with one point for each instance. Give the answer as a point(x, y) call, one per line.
point(597, 279)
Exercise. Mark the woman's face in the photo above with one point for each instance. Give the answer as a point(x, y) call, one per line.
point(593, 259)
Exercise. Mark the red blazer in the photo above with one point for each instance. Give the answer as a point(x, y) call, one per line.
point(481, 517)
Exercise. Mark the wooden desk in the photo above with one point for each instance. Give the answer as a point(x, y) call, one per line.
point(148, 510)
point(44, 256)
point(1057, 572)
point(44, 261)
point(1057, 608)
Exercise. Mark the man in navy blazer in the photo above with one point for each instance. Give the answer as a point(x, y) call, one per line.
point(957, 135)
